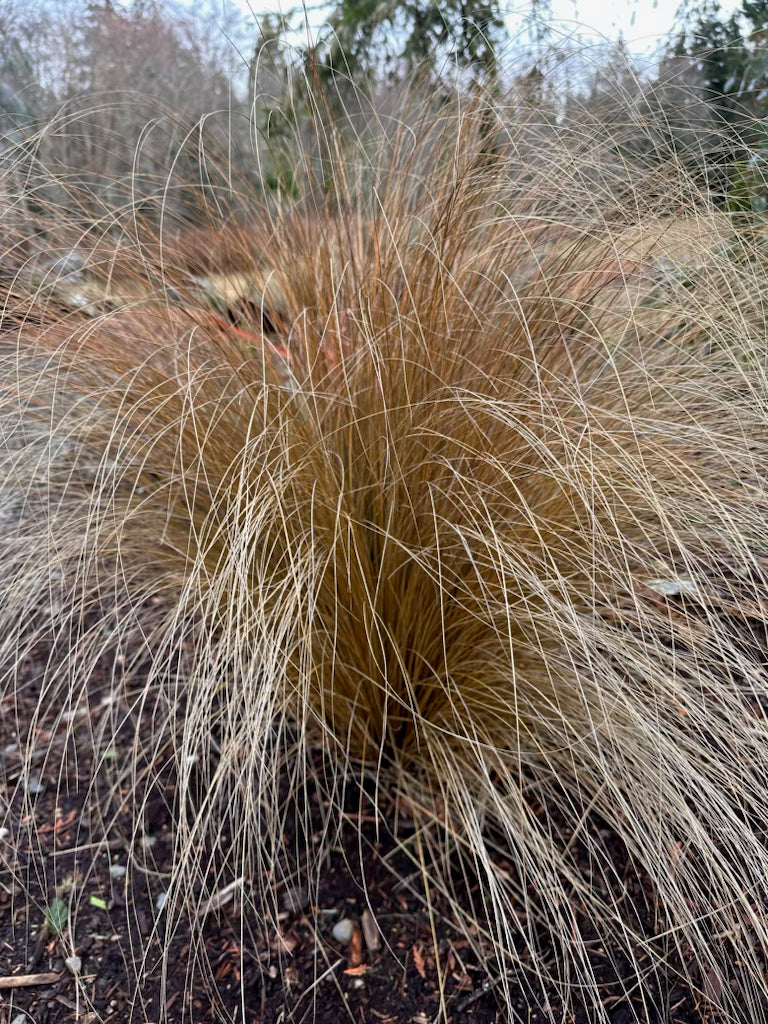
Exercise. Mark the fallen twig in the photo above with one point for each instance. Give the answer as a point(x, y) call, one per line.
point(27, 980)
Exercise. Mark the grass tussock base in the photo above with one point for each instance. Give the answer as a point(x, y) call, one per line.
point(462, 497)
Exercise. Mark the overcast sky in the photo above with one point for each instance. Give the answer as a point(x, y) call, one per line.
point(643, 23)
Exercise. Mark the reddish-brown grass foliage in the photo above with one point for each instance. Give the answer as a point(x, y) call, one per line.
point(471, 497)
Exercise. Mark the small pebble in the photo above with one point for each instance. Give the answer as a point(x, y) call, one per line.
point(21, 1019)
point(343, 930)
point(34, 786)
point(294, 898)
point(117, 870)
point(160, 901)
point(73, 964)
point(672, 588)
point(4, 833)
point(72, 714)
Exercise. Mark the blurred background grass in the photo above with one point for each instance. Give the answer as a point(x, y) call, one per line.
point(129, 98)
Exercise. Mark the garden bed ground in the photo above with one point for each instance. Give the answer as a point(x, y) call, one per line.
point(62, 844)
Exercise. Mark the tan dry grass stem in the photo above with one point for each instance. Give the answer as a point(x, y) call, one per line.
point(416, 507)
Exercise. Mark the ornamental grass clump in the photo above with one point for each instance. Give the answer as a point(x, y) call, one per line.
point(461, 498)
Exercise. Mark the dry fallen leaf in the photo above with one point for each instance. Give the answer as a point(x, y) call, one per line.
point(713, 986)
point(371, 932)
point(418, 961)
point(356, 972)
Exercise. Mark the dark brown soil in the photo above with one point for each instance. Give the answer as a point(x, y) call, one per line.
point(61, 843)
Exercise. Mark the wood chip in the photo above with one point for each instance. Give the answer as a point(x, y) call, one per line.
point(28, 980)
point(355, 948)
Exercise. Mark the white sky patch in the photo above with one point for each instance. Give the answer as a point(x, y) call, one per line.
point(644, 24)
